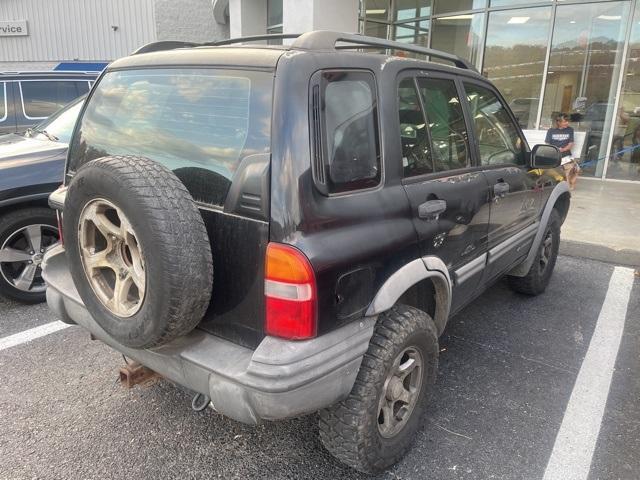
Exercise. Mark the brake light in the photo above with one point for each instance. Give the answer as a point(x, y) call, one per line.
point(59, 218)
point(290, 293)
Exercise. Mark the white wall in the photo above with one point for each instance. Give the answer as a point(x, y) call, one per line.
point(305, 15)
point(77, 29)
point(247, 17)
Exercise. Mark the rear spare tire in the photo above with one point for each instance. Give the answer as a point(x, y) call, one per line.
point(137, 249)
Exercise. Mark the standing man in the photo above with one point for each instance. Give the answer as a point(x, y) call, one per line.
point(562, 137)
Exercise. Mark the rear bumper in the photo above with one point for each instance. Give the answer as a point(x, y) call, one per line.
point(279, 379)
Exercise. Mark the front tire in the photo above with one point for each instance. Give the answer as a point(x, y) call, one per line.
point(537, 278)
point(374, 426)
point(25, 235)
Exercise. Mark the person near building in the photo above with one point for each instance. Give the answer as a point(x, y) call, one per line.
point(562, 137)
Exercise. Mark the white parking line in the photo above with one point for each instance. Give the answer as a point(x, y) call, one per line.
point(573, 449)
point(31, 334)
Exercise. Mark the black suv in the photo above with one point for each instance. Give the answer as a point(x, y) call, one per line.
point(287, 229)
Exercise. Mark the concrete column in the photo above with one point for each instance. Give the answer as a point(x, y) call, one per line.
point(194, 23)
point(247, 17)
point(304, 15)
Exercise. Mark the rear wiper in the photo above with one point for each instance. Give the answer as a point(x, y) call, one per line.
point(51, 137)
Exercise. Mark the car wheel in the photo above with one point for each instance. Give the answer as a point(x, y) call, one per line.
point(536, 280)
point(374, 426)
point(138, 250)
point(25, 235)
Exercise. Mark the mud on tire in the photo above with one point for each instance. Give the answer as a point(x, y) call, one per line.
point(350, 429)
point(163, 250)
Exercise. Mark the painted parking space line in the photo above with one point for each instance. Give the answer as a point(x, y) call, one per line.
point(31, 334)
point(574, 446)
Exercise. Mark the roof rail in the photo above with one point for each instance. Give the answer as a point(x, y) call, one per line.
point(318, 40)
point(163, 45)
point(253, 38)
point(326, 40)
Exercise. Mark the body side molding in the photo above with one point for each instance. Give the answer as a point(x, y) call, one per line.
point(522, 269)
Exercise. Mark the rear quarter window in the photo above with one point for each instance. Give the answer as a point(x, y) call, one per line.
point(198, 122)
point(41, 98)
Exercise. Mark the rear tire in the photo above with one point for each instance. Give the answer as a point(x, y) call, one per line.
point(356, 430)
point(537, 278)
point(138, 250)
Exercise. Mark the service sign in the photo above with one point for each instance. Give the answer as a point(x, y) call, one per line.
point(15, 28)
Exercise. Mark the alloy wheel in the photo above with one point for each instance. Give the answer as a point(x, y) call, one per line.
point(400, 392)
point(112, 257)
point(21, 256)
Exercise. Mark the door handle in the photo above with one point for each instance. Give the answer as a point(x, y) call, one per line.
point(500, 189)
point(431, 209)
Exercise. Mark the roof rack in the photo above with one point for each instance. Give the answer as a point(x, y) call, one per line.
point(163, 45)
point(319, 40)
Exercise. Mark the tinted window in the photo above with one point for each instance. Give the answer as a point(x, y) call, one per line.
point(3, 101)
point(42, 98)
point(61, 124)
point(496, 134)
point(416, 150)
point(349, 130)
point(446, 124)
point(200, 123)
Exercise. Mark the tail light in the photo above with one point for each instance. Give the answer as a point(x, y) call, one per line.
point(290, 293)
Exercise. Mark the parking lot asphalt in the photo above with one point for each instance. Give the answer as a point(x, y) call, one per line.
point(508, 366)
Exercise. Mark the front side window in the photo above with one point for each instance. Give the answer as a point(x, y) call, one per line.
point(497, 136)
point(41, 98)
point(446, 124)
point(348, 141)
point(200, 123)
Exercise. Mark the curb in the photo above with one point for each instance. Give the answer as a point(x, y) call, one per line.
point(600, 252)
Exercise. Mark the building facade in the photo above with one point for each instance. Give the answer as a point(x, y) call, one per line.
point(579, 57)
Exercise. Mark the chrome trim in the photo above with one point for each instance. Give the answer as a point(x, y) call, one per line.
point(505, 247)
point(467, 271)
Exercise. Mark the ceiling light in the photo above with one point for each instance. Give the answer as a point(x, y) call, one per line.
point(458, 17)
point(380, 11)
point(609, 17)
point(519, 20)
point(572, 21)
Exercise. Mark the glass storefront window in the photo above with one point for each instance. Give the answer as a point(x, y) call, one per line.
point(624, 162)
point(416, 32)
point(375, 29)
point(376, 9)
point(514, 58)
point(450, 6)
point(515, 3)
point(459, 34)
point(586, 55)
point(408, 9)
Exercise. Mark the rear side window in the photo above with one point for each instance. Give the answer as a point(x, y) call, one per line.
point(41, 98)
point(200, 123)
point(346, 139)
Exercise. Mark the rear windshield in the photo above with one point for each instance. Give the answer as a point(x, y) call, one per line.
point(200, 122)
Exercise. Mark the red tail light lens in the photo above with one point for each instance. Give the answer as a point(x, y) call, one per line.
point(290, 291)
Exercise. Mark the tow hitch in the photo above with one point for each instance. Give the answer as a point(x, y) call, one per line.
point(133, 374)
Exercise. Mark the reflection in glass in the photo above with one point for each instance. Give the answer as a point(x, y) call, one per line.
point(408, 9)
point(586, 55)
point(508, 3)
point(274, 12)
point(376, 9)
point(375, 29)
point(624, 162)
point(514, 58)
point(450, 6)
point(416, 32)
point(459, 34)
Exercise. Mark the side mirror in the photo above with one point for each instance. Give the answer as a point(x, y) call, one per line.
point(545, 156)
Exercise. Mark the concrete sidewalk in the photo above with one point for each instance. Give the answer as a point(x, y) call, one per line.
point(603, 222)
